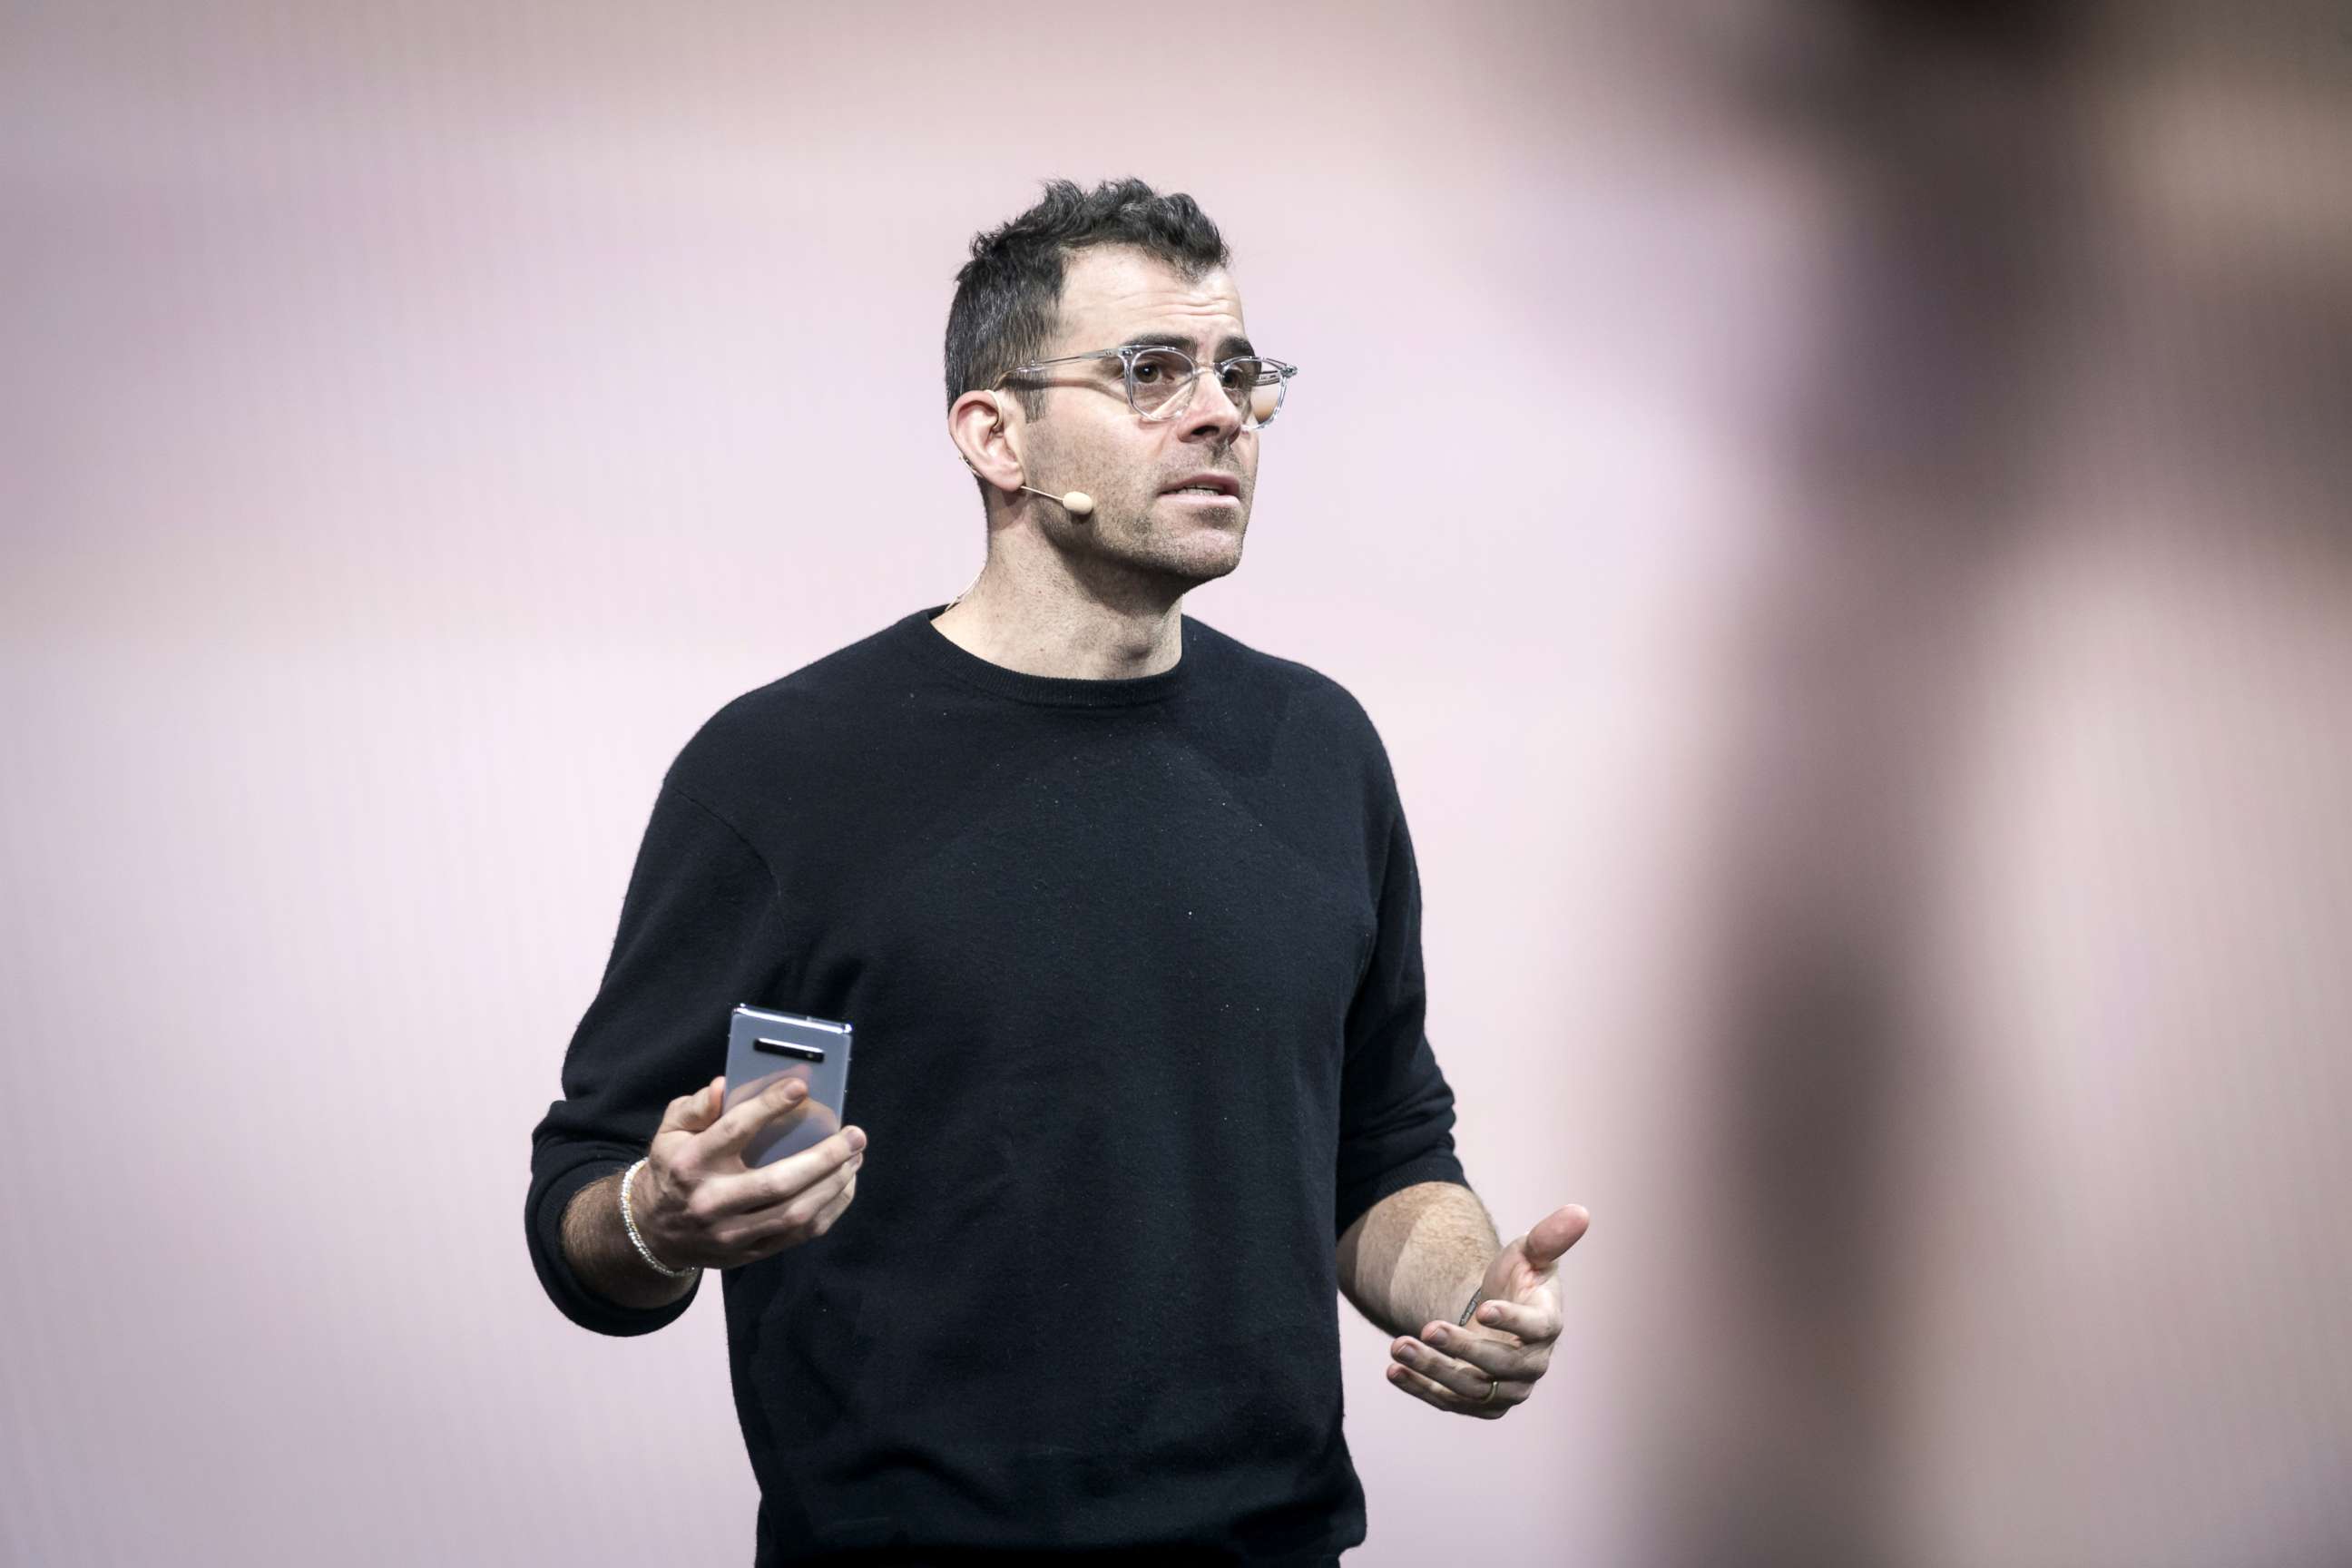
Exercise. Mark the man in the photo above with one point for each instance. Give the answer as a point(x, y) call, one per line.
point(1126, 918)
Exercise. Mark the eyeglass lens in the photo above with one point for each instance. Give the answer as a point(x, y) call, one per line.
point(1160, 383)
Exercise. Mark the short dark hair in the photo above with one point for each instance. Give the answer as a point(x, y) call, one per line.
point(1008, 297)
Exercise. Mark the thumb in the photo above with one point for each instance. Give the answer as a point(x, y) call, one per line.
point(1555, 1233)
point(693, 1112)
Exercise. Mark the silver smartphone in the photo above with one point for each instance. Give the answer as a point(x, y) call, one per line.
point(763, 1045)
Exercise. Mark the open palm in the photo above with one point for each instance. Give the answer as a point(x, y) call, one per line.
point(1490, 1364)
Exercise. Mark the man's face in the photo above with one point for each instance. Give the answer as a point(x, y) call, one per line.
point(1089, 439)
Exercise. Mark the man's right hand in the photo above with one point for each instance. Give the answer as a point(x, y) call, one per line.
point(697, 1202)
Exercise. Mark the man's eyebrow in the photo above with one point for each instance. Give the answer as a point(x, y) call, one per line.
point(1232, 348)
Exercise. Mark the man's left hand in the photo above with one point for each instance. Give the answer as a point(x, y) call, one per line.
point(1489, 1365)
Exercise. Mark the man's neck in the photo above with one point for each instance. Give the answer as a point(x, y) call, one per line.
point(1068, 637)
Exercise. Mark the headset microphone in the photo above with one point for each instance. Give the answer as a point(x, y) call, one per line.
point(1077, 504)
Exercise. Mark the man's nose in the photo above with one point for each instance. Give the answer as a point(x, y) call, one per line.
point(1211, 405)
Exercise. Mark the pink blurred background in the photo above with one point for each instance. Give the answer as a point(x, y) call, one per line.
point(1837, 510)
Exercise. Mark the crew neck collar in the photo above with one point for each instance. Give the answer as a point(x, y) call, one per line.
point(935, 649)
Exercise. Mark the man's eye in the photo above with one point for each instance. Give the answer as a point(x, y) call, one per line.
point(1160, 367)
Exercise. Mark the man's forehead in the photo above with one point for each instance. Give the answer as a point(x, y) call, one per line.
point(1117, 294)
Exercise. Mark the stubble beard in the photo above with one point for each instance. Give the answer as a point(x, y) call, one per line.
point(1124, 535)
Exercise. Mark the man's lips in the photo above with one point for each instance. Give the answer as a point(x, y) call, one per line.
point(1227, 487)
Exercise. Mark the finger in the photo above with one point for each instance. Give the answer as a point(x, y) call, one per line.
point(747, 1115)
point(766, 1186)
point(839, 1207)
point(1443, 1370)
point(1555, 1233)
point(1536, 1325)
point(800, 1214)
point(1445, 1399)
point(1504, 1360)
point(793, 1222)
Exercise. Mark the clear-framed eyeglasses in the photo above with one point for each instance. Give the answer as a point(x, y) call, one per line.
point(1159, 380)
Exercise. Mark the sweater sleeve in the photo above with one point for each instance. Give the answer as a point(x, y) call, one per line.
point(1396, 1112)
point(698, 932)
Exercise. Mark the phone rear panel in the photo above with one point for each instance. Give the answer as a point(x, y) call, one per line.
point(763, 1045)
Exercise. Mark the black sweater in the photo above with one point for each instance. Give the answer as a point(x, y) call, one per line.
point(1135, 968)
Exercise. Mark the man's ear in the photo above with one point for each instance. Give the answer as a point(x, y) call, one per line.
point(977, 425)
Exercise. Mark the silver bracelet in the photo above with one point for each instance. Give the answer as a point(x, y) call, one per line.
point(643, 1251)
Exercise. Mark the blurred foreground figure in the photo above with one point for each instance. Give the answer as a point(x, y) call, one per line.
point(2030, 983)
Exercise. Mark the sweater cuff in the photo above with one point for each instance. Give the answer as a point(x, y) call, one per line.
point(544, 1219)
point(1437, 1166)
